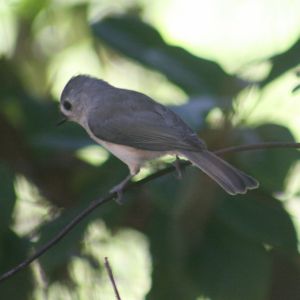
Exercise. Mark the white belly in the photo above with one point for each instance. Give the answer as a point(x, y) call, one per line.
point(133, 158)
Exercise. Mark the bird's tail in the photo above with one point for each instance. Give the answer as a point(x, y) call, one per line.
point(232, 180)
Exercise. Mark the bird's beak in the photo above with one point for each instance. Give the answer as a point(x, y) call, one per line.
point(62, 121)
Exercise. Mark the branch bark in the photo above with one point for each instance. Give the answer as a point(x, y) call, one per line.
point(102, 200)
point(111, 277)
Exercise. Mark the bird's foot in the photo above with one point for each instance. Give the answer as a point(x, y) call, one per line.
point(118, 189)
point(177, 166)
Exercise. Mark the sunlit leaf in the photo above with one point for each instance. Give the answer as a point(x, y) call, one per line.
point(30, 8)
point(142, 42)
point(296, 88)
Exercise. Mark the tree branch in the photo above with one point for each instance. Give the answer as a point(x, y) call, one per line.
point(111, 277)
point(98, 202)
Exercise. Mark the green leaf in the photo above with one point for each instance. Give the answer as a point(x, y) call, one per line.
point(195, 110)
point(7, 196)
point(269, 166)
point(57, 258)
point(226, 266)
point(13, 250)
point(88, 184)
point(31, 8)
point(284, 62)
point(142, 42)
point(261, 219)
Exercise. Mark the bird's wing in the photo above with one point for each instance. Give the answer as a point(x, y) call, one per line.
point(137, 121)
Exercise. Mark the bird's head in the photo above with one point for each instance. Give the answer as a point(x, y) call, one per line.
point(74, 98)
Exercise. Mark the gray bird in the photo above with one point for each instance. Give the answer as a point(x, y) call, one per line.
point(137, 129)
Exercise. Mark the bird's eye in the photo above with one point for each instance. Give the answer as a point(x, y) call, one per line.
point(67, 105)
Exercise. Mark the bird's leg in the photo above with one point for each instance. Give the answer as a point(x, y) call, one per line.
point(177, 166)
point(120, 186)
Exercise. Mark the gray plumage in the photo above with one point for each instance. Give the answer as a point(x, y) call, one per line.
point(144, 129)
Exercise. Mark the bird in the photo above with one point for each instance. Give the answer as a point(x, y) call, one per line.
point(137, 129)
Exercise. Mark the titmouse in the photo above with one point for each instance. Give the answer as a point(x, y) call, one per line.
point(136, 129)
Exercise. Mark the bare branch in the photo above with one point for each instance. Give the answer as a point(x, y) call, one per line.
point(111, 277)
point(98, 202)
point(259, 146)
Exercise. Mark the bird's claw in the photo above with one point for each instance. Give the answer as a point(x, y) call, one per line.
point(177, 166)
point(118, 190)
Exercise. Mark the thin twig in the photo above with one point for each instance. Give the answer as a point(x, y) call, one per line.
point(98, 202)
point(111, 277)
point(259, 146)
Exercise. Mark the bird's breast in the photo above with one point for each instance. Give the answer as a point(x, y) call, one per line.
point(134, 158)
point(130, 155)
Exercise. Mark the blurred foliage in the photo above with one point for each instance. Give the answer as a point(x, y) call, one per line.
point(172, 239)
point(140, 41)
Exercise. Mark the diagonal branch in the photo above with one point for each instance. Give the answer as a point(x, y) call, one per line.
point(111, 278)
point(98, 202)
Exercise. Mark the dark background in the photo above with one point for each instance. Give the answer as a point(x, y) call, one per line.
point(172, 239)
